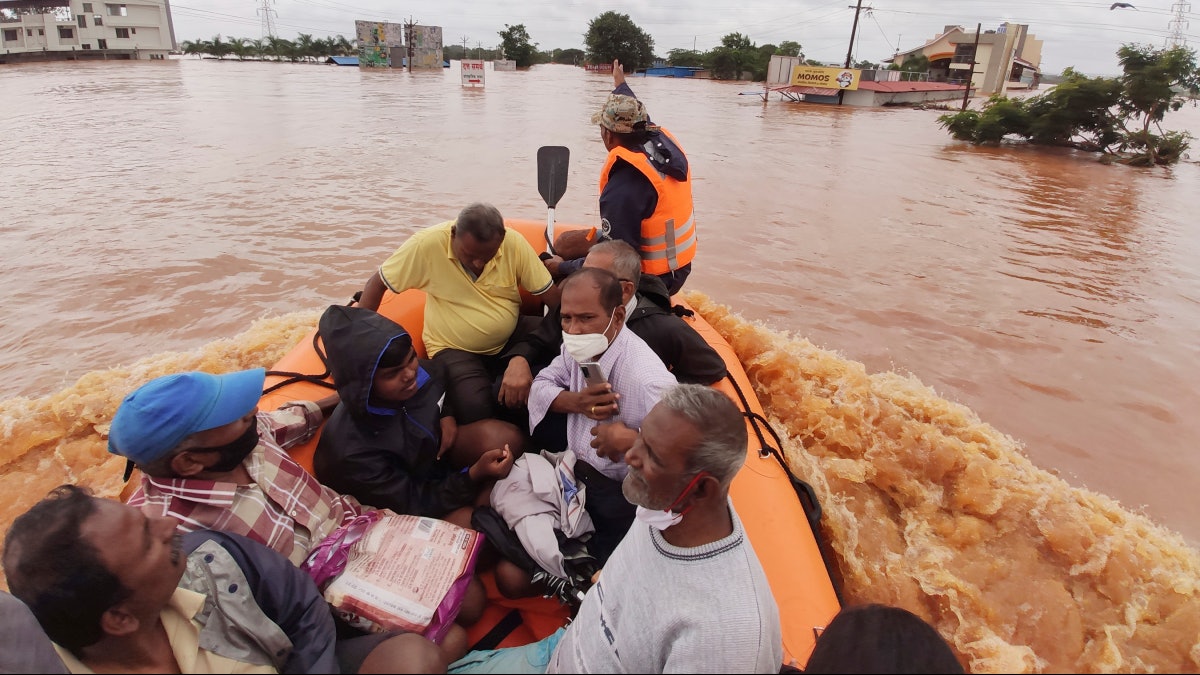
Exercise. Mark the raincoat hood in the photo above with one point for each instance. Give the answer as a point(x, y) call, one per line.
point(355, 338)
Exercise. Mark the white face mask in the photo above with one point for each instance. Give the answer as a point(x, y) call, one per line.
point(659, 520)
point(588, 346)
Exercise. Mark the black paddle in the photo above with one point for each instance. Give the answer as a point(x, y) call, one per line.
point(552, 182)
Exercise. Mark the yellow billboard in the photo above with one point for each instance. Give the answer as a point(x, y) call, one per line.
point(826, 78)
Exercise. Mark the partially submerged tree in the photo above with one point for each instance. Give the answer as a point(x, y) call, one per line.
point(1112, 116)
point(615, 36)
point(514, 42)
point(738, 55)
point(1152, 81)
point(305, 48)
point(685, 57)
point(790, 48)
point(735, 56)
point(572, 56)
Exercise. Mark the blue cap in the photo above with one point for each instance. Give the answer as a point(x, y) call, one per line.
point(157, 416)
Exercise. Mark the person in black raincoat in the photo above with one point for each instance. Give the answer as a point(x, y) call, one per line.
point(392, 442)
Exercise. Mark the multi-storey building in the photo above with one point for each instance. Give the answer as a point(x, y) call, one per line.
point(1006, 58)
point(32, 30)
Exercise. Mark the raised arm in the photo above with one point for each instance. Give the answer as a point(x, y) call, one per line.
point(372, 292)
point(620, 86)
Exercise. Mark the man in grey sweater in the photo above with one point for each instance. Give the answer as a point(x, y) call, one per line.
point(684, 591)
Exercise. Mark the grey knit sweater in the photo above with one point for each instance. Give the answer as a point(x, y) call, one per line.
point(662, 609)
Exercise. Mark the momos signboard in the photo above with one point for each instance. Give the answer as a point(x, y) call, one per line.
point(825, 78)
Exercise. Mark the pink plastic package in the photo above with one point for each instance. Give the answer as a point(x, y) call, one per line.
point(385, 571)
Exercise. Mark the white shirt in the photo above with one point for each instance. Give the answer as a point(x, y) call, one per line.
point(634, 371)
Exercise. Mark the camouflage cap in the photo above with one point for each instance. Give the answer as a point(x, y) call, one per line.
point(620, 113)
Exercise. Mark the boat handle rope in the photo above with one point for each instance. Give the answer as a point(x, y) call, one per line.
point(292, 378)
point(804, 491)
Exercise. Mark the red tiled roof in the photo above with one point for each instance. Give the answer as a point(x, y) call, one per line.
point(897, 87)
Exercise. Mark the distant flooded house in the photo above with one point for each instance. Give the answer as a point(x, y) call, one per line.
point(660, 69)
point(1007, 58)
point(38, 30)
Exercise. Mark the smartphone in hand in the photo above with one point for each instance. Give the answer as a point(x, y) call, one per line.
point(592, 373)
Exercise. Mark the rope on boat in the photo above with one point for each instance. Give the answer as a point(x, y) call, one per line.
point(292, 378)
point(805, 492)
point(322, 379)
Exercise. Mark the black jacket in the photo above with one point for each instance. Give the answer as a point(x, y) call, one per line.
point(385, 457)
point(681, 348)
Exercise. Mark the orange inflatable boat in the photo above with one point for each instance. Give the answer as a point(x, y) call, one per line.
point(769, 502)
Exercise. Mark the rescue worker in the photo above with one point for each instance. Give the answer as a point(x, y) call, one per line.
point(645, 193)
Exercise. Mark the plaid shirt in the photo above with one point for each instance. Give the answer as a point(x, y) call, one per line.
point(284, 507)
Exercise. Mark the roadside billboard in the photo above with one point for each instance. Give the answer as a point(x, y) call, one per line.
point(826, 78)
point(376, 39)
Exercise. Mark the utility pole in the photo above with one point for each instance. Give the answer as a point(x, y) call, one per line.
point(464, 41)
point(850, 50)
point(971, 72)
point(408, 42)
point(853, 29)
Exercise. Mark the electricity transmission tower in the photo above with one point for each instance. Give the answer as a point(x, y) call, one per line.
point(268, 18)
point(1176, 36)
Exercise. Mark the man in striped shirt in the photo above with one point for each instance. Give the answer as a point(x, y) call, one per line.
point(211, 460)
point(602, 419)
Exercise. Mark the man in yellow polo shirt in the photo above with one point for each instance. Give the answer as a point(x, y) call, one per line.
point(472, 270)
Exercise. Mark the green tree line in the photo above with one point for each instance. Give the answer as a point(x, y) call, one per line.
point(304, 48)
point(611, 35)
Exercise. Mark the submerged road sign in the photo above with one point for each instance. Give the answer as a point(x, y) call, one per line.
point(472, 72)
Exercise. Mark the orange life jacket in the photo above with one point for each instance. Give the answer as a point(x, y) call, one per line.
point(668, 237)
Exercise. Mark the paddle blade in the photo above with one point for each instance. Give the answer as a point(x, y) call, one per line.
point(552, 172)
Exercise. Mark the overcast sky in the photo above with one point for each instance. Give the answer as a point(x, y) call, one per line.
point(1076, 33)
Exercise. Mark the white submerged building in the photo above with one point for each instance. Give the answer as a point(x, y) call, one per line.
point(54, 30)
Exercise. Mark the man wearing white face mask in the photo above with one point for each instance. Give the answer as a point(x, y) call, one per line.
point(684, 592)
point(602, 419)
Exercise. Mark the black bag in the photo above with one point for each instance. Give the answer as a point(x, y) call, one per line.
point(580, 565)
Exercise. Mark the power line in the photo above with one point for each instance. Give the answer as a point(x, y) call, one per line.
point(895, 47)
